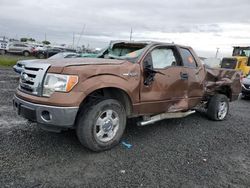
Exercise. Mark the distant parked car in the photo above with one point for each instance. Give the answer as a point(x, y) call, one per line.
point(65, 55)
point(46, 53)
point(18, 68)
point(38, 47)
point(245, 93)
point(19, 48)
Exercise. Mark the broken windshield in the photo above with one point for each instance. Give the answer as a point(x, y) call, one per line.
point(128, 56)
point(128, 51)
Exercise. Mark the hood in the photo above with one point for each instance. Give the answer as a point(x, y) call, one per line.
point(27, 61)
point(81, 61)
point(57, 65)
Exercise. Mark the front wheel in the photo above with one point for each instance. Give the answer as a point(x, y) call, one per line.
point(41, 56)
point(218, 107)
point(243, 96)
point(100, 125)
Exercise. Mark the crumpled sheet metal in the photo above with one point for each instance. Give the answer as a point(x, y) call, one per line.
point(215, 78)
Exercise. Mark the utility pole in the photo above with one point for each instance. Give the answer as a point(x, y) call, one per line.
point(217, 52)
point(73, 41)
point(83, 29)
point(131, 33)
point(45, 37)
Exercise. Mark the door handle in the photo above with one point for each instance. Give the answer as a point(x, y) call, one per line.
point(184, 76)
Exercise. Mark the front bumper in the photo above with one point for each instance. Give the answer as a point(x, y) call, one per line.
point(46, 115)
point(245, 90)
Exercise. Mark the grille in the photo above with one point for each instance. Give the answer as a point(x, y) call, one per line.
point(247, 86)
point(229, 63)
point(31, 79)
point(19, 64)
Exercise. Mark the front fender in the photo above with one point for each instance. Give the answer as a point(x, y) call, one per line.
point(129, 86)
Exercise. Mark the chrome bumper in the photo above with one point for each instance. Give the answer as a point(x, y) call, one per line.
point(46, 115)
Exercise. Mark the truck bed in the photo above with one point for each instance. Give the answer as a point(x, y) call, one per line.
point(223, 81)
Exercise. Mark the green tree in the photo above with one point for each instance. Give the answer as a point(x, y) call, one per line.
point(31, 39)
point(46, 42)
point(23, 39)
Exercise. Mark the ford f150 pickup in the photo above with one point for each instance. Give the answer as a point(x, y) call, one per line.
point(95, 96)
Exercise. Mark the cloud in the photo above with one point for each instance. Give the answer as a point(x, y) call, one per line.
point(203, 24)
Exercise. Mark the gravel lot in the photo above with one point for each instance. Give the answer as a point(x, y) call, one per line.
point(189, 152)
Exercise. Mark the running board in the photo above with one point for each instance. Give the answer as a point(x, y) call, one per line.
point(168, 115)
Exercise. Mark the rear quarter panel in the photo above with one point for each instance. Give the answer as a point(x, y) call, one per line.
point(218, 78)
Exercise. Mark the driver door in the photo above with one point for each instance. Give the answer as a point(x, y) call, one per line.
point(164, 87)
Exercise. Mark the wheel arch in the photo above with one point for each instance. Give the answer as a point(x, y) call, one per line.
point(225, 90)
point(109, 93)
point(26, 51)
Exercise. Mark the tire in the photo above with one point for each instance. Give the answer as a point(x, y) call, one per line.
point(2, 52)
point(97, 126)
point(41, 56)
point(26, 53)
point(218, 107)
point(244, 97)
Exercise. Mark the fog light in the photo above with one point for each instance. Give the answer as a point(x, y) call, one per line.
point(46, 116)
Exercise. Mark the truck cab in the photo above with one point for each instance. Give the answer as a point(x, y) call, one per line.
point(239, 61)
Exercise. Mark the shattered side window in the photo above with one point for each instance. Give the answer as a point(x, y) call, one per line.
point(163, 57)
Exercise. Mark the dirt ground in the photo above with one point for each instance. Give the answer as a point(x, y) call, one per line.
point(188, 152)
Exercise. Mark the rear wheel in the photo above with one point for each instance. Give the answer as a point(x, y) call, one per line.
point(100, 125)
point(26, 53)
point(218, 107)
point(2, 52)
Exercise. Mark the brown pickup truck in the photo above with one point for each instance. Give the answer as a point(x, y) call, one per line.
point(95, 96)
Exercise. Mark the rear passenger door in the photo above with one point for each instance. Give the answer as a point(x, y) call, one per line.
point(18, 48)
point(194, 73)
point(22, 47)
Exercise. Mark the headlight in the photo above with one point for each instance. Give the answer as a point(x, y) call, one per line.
point(58, 82)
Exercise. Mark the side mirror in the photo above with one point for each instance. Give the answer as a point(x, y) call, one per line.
point(149, 73)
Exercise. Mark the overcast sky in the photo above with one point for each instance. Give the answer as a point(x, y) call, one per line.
point(203, 24)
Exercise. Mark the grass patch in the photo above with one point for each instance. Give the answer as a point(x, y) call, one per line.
point(10, 60)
